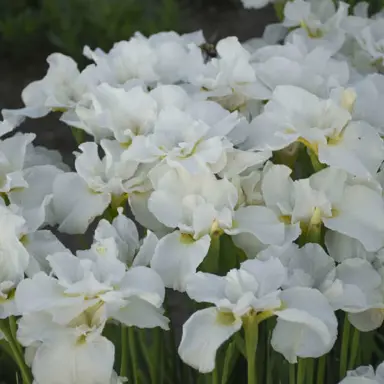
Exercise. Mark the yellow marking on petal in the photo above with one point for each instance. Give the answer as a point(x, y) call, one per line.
point(348, 99)
point(216, 231)
point(264, 316)
point(316, 217)
point(119, 201)
point(59, 109)
point(10, 296)
point(186, 238)
point(314, 147)
point(317, 34)
point(286, 219)
point(93, 192)
point(225, 318)
point(23, 239)
point(335, 212)
point(81, 340)
point(126, 145)
point(101, 250)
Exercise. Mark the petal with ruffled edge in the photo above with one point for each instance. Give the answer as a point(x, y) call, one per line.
point(307, 327)
point(138, 313)
point(72, 362)
point(368, 320)
point(75, 206)
point(177, 257)
point(260, 222)
point(203, 333)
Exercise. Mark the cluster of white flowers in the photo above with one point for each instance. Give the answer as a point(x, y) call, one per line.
point(277, 148)
point(365, 375)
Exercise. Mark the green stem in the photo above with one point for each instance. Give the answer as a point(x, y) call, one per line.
point(124, 351)
point(317, 166)
point(13, 329)
point(322, 362)
point(301, 372)
point(133, 353)
point(344, 348)
point(211, 262)
point(78, 134)
point(157, 375)
point(279, 10)
point(269, 365)
point(17, 352)
point(4, 346)
point(292, 374)
point(146, 353)
point(177, 369)
point(215, 376)
point(310, 370)
point(251, 327)
point(162, 352)
point(354, 348)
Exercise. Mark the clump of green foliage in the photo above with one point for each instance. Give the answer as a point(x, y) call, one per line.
point(68, 25)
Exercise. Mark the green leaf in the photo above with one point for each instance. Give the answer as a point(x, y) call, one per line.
point(240, 343)
point(231, 355)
